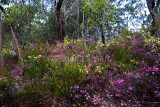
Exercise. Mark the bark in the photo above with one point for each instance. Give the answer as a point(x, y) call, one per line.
point(20, 25)
point(102, 33)
point(155, 23)
point(78, 19)
point(13, 36)
point(60, 20)
point(1, 58)
point(87, 29)
point(83, 27)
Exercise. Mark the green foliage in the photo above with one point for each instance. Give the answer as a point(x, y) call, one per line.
point(33, 71)
point(127, 32)
point(7, 87)
point(8, 52)
point(5, 1)
point(37, 51)
point(97, 9)
point(19, 13)
point(37, 66)
point(122, 54)
point(28, 95)
point(50, 28)
point(62, 76)
point(7, 93)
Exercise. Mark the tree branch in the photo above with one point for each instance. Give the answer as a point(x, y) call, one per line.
point(5, 14)
point(69, 10)
point(13, 36)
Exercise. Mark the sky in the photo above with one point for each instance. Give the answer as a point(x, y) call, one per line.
point(143, 10)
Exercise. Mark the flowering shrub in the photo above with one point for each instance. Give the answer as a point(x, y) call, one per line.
point(122, 72)
point(79, 96)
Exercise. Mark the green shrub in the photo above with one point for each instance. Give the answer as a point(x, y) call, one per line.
point(62, 76)
point(8, 52)
point(34, 89)
point(7, 89)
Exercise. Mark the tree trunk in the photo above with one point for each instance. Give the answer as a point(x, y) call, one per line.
point(78, 20)
point(83, 27)
point(1, 58)
point(155, 23)
point(87, 29)
point(102, 33)
point(60, 20)
point(109, 33)
point(13, 36)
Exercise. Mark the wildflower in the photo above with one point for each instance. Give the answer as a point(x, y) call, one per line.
point(156, 69)
point(149, 69)
point(29, 57)
point(143, 63)
point(32, 46)
point(82, 52)
point(77, 96)
point(130, 88)
point(157, 95)
point(76, 87)
point(88, 40)
point(148, 55)
point(74, 47)
point(96, 99)
point(39, 56)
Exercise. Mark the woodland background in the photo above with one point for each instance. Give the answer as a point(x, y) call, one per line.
point(79, 53)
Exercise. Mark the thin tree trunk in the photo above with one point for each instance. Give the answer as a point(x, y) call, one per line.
point(13, 36)
point(60, 20)
point(102, 33)
point(83, 27)
point(87, 29)
point(87, 32)
point(155, 23)
point(70, 9)
point(109, 33)
point(78, 19)
point(1, 58)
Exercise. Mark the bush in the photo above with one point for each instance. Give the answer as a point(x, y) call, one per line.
point(62, 76)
